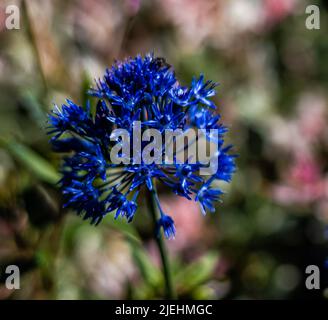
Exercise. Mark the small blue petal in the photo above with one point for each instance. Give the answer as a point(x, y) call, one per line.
point(167, 223)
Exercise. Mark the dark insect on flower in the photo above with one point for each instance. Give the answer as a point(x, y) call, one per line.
point(160, 62)
point(141, 90)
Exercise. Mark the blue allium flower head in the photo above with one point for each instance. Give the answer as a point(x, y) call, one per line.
point(144, 90)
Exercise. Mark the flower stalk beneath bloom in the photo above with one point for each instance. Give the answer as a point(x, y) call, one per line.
point(156, 215)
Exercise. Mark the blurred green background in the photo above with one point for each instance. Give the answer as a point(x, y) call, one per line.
point(273, 75)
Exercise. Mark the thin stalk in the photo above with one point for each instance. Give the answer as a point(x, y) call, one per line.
point(170, 292)
point(33, 40)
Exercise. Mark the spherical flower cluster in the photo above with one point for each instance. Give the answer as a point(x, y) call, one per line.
point(141, 89)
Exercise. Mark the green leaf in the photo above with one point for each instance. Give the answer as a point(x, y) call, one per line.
point(149, 272)
point(32, 161)
point(34, 108)
point(197, 273)
point(127, 229)
point(85, 87)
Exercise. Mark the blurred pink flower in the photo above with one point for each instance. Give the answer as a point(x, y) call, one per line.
point(305, 171)
point(312, 117)
point(196, 20)
point(98, 23)
point(303, 184)
point(2, 18)
point(303, 132)
point(132, 6)
point(277, 10)
point(188, 221)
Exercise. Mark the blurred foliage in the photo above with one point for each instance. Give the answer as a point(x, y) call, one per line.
point(273, 76)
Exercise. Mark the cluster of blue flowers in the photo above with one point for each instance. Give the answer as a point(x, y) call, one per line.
point(140, 89)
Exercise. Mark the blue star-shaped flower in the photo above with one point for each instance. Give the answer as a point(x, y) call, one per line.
point(145, 90)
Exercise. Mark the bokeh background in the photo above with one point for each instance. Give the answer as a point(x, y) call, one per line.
point(273, 75)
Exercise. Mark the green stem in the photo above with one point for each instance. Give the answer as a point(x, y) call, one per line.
point(33, 41)
point(170, 292)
